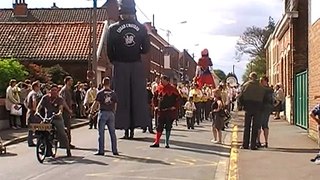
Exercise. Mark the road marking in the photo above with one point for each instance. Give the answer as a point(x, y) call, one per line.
point(234, 155)
point(143, 177)
point(195, 159)
point(185, 162)
point(151, 169)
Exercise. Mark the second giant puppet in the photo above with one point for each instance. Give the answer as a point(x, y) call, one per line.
point(203, 73)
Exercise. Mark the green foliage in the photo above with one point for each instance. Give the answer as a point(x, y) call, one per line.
point(10, 69)
point(252, 43)
point(57, 74)
point(257, 65)
point(220, 74)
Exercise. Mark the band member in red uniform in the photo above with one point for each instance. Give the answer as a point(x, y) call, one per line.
point(166, 101)
point(203, 73)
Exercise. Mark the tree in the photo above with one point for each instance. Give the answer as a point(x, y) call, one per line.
point(37, 72)
point(252, 43)
point(57, 74)
point(220, 74)
point(10, 69)
point(257, 65)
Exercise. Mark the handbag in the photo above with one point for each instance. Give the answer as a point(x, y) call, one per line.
point(16, 110)
point(189, 114)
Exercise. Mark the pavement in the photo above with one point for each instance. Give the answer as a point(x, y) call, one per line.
point(11, 136)
point(287, 157)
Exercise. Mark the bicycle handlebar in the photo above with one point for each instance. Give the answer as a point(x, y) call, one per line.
point(46, 119)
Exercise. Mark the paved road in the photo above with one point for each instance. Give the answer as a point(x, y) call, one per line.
point(191, 156)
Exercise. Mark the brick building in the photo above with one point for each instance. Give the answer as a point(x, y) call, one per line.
point(45, 28)
point(287, 53)
point(314, 73)
point(50, 36)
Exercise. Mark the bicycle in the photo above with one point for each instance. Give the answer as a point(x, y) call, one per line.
point(47, 143)
point(3, 149)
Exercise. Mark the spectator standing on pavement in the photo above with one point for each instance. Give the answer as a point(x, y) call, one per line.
point(106, 100)
point(150, 96)
point(25, 90)
point(266, 111)
point(315, 115)
point(79, 98)
point(54, 104)
point(127, 40)
point(279, 100)
point(155, 84)
point(90, 97)
point(66, 94)
point(251, 98)
point(31, 103)
point(218, 115)
point(166, 100)
point(12, 100)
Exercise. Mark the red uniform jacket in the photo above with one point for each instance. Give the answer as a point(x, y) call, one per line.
point(166, 97)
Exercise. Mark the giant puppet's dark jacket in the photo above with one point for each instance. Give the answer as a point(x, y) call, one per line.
point(126, 41)
point(166, 97)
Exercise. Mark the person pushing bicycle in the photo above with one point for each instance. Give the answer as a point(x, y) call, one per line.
point(53, 105)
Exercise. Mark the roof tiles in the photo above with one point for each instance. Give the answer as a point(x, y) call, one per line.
point(54, 15)
point(47, 41)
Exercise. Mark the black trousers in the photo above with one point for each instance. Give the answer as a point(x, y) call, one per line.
point(207, 109)
point(198, 112)
point(252, 116)
point(165, 121)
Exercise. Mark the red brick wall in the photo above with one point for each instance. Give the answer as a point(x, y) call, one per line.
point(314, 73)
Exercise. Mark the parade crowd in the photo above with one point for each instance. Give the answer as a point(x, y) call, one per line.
point(126, 102)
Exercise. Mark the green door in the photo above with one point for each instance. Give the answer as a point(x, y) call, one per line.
point(301, 100)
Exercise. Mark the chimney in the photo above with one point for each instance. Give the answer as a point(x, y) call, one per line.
point(54, 6)
point(150, 28)
point(20, 8)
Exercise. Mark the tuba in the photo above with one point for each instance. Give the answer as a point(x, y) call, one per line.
point(232, 81)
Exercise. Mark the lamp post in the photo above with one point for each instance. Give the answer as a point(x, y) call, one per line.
point(94, 41)
point(168, 32)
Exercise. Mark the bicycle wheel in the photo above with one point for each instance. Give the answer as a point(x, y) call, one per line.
point(54, 148)
point(41, 149)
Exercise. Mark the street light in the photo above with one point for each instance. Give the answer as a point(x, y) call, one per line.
point(168, 32)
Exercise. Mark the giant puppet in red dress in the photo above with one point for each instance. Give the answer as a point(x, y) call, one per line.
point(203, 73)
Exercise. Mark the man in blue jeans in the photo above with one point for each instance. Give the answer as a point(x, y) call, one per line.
point(106, 100)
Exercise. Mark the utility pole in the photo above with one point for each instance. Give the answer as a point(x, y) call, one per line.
point(94, 41)
point(233, 69)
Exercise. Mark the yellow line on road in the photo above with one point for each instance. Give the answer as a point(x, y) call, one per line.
point(234, 155)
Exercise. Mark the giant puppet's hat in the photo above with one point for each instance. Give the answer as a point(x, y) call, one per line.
point(127, 7)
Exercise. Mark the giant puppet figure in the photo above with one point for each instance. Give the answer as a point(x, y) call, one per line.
point(127, 40)
point(203, 73)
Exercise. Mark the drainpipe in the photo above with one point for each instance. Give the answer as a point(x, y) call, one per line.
point(291, 68)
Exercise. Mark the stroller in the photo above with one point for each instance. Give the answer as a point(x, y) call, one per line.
point(3, 149)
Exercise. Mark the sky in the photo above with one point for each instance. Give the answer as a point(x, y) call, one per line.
point(212, 24)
